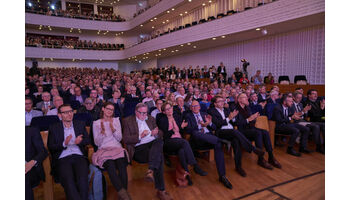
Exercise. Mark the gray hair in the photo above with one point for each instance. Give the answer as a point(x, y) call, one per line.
point(140, 105)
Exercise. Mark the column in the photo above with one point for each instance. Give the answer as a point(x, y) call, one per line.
point(95, 9)
point(63, 4)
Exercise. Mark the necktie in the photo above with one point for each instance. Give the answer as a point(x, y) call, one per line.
point(298, 108)
point(198, 123)
point(286, 113)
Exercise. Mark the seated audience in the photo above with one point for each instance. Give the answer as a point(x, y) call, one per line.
point(172, 125)
point(90, 107)
point(67, 143)
point(257, 78)
point(78, 96)
point(269, 79)
point(144, 143)
point(158, 109)
point(283, 115)
point(30, 113)
point(223, 120)
point(255, 106)
point(201, 129)
point(45, 104)
point(111, 155)
point(35, 155)
point(57, 102)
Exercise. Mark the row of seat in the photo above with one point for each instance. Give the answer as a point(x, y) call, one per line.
point(261, 122)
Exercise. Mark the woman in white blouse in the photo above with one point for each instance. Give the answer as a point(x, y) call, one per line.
point(110, 154)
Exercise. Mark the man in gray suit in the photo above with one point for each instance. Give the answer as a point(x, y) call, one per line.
point(45, 104)
point(30, 113)
point(297, 107)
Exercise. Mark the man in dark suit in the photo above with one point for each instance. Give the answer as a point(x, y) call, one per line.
point(180, 109)
point(262, 96)
point(297, 107)
point(70, 166)
point(35, 155)
point(201, 128)
point(283, 115)
point(245, 122)
point(144, 143)
point(78, 96)
point(223, 120)
point(256, 106)
point(222, 70)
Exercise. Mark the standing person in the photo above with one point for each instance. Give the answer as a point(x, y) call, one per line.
point(110, 154)
point(222, 70)
point(67, 143)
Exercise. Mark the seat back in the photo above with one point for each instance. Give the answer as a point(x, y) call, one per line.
point(262, 123)
point(283, 78)
point(85, 117)
point(43, 122)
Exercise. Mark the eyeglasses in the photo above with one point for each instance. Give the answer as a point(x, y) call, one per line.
point(220, 101)
point(195, 106)
point(67, 112)
point(110, 109)
point(142, 113)
point(169, 108)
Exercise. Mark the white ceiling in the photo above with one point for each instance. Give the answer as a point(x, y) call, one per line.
point(108, 2)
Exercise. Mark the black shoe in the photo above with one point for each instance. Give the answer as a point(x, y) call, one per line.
point(199, 171)
point(259, 152)
point(319, 149)
point(189, 180)
point(291, 151)
point(264, 164)
point(304, 150)
point(225, 182)
point(241, 172)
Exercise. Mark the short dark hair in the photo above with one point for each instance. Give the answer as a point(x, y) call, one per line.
point(214, 99)
point(310, 91)
point(28, 98)
point(63, 105)
point(284, 97)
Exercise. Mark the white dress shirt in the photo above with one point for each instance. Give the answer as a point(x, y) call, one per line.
point(72, 148)
point(228, 126)
point(198, 118)
point(142, 125)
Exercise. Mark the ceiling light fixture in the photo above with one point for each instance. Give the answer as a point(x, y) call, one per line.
point(223, 36)
point(173, 9)
point(257, 29)
point(214, 38)
point(194, 47)
point(189, 43)
point(168, 11)
point(185, 12)
point(203, 4)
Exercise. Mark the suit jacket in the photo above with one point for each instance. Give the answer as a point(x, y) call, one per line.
point(56, 139)
point(260, 98)
point(131, 132)
point(279, 117)
point(163, 124)
point(35, 150)
point(241, 121)
point(177, 111)
point(315, 113)
point(72, 98)
point(192, 123)
point(219, 70)
point(150, 104)
point(40, 105)
point(256, 108)
point(217, 118)
point(269, 107)
point(294, 109)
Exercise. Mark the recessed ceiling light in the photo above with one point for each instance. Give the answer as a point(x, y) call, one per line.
point(185, 12)
point(189, 0)
point(172, 51)
point(141, 25)
point(163, 22)
point(214, 38)
point(164, 49)
point(152, 26)
point(173, 9)
point(167, 20)
point(151, 20)
point(194, 47)
point(257, 29)
point(158, 54)
point(159, 50)
point(209, 1)
point(176, 50)
point(180, 14)
point(168, 11)
point(155, 18)
point(182, 45)
point(203, 4)
point(189, 43)
point(223, 36)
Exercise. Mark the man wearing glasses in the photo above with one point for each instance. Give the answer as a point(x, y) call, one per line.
point(145, 145)
point(66, 142)
point(201, 129)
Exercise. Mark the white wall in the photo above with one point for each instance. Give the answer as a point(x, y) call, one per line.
point(300, 52)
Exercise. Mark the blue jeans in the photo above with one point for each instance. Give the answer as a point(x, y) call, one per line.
point(96, 192)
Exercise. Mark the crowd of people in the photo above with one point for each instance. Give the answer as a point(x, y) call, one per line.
point(76, 14)
point(151, 112)
point(64, 43)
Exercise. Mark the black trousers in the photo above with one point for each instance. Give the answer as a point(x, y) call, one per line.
point(237, 139)
point(294, 130)
point(119, 180)
point(259, 136)
point(152, 153)
point(183, 150)
point(322, 130)
point(208, 140)
point(73, 175)
point(32, 180)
